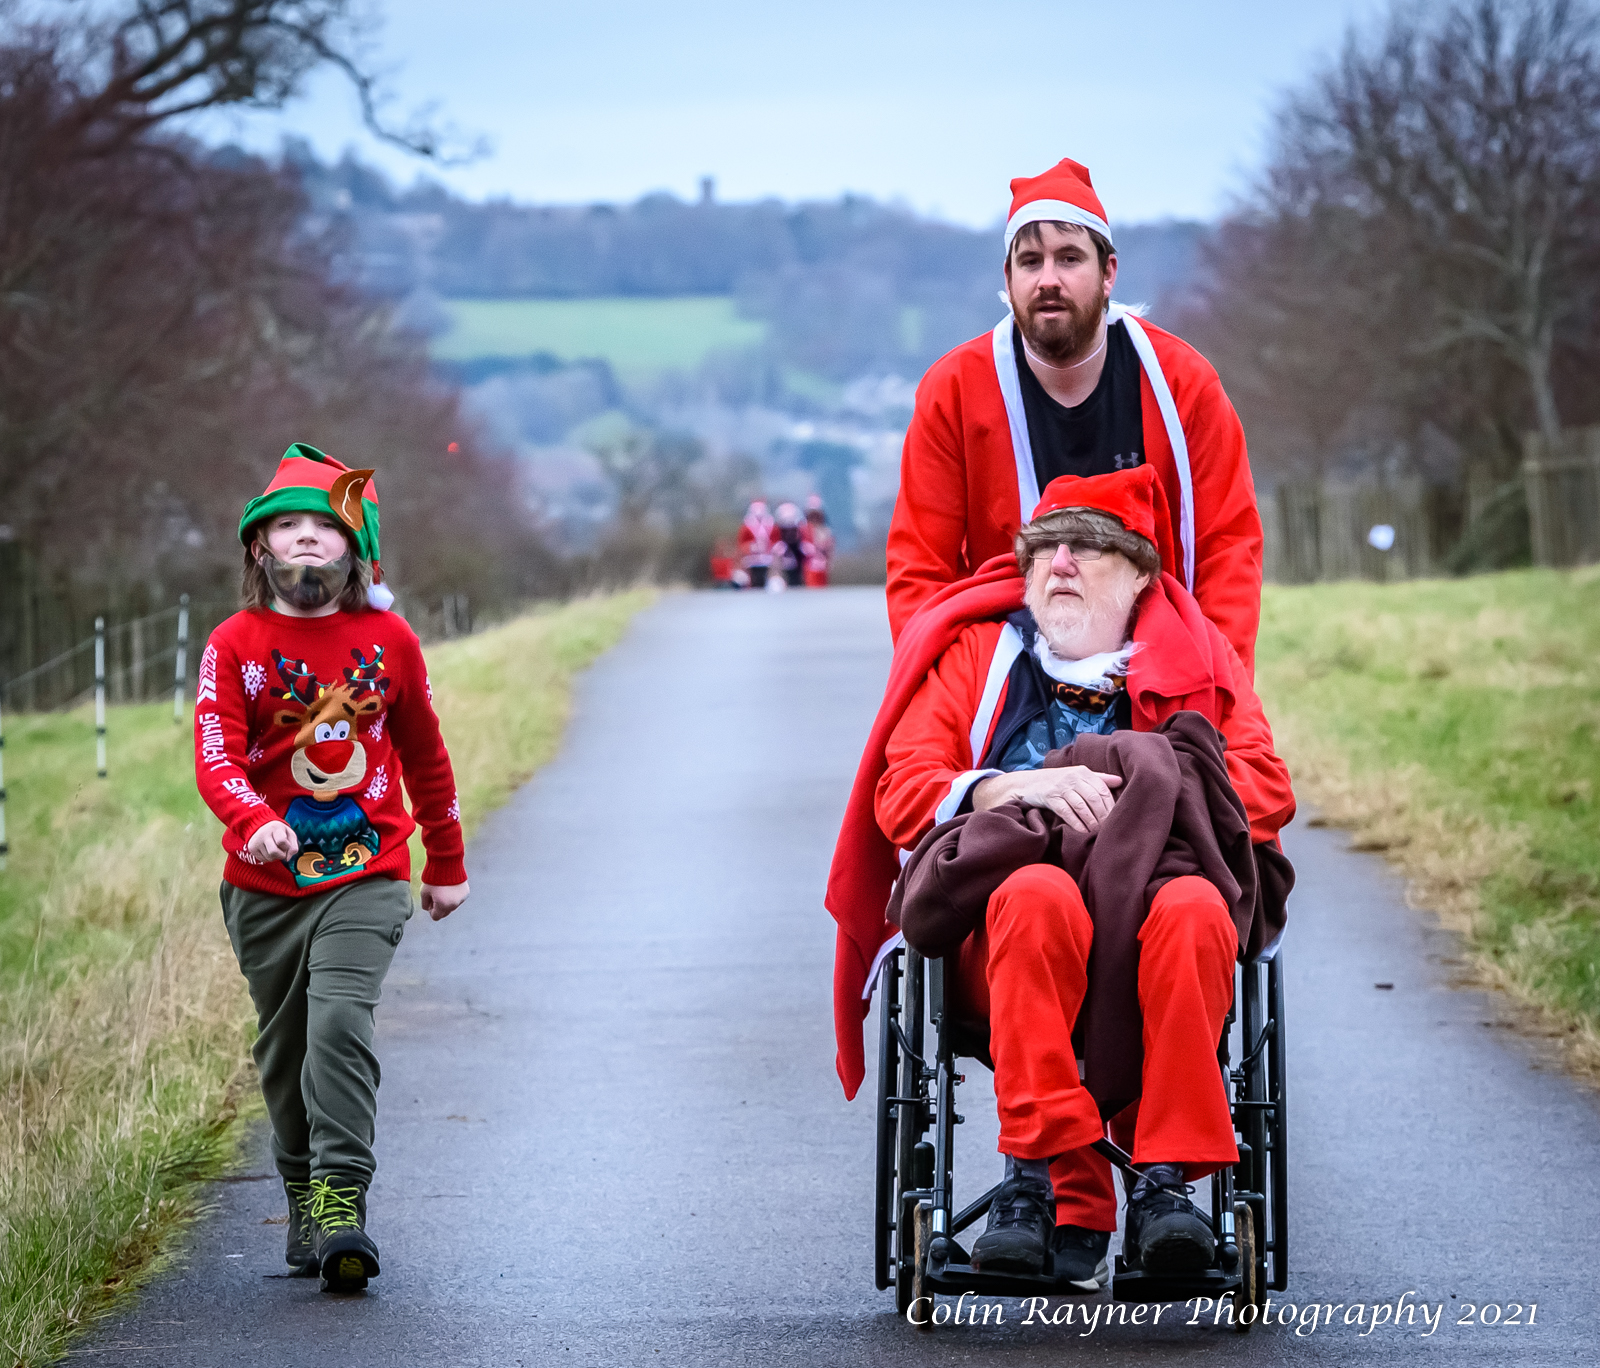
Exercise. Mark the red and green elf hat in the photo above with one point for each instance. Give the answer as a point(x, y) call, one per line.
point(311, 481)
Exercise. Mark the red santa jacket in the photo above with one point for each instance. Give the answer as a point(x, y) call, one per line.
point(946, 689)
point(315, 722)
point(756, 538)
point(967, 481)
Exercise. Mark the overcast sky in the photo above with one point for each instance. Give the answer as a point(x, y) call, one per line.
point(935, 103)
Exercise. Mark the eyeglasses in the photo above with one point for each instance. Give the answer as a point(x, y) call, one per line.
point(1084, 551)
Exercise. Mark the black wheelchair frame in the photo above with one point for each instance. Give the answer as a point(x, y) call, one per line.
point(916, 1220)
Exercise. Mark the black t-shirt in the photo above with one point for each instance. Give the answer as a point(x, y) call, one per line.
point(1103, 433)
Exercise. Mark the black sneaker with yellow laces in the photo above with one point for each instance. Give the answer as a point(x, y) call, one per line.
point(301, 1255)
point(345, 1252)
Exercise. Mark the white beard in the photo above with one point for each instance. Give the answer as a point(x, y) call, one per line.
point(1075, 628)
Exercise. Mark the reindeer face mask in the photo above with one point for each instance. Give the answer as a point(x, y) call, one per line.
point(305, 586)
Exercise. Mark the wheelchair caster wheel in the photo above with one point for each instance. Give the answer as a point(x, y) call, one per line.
point(1249, 1293)
point(905, 1254)
point(922, 1239)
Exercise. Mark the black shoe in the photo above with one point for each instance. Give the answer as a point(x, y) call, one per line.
point(1020, 1221)
point(301, 1254)
point(1081, 1256)
point(345, 1253)
point(1164, 1233)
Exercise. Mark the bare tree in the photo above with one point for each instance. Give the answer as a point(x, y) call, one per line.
point(168, 323)
point(1469, 134)
point(140, 65)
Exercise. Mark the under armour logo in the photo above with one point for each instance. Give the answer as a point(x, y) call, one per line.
point(1120, 462)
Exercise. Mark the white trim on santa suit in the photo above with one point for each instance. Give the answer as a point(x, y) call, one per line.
point(1005, 365)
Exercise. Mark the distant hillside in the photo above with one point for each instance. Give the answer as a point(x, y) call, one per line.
point(637, 336)
point(834, 290)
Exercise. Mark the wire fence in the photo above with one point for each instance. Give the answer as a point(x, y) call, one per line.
point(143, 662)
point(140, 659)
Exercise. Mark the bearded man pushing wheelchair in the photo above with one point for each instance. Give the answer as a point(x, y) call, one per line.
point(1074, 768)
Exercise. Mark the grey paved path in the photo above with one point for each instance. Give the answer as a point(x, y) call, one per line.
point(611, 1133)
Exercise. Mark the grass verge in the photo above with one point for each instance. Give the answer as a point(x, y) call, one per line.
point(124, 1024)
point(1454, 726)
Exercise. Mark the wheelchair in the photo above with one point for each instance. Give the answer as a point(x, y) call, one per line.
point(917, 1222)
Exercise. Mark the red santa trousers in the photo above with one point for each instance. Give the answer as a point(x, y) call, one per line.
point(1025, 971)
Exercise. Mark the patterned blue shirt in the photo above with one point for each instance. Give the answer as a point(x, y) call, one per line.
point(1028, 748)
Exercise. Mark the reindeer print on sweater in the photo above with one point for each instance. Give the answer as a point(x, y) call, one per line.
point(321, 750)
point(332, 828)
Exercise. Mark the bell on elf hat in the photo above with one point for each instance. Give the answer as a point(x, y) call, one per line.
point(308, 480)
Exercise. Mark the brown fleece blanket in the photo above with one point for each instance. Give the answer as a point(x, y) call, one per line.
point(1176, 813)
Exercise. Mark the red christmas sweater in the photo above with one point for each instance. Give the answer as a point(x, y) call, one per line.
point(309, 721)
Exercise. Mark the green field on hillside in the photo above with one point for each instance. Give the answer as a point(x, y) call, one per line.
point(634, 335)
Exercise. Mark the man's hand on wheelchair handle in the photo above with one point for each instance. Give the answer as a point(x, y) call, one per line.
point(1079, 796)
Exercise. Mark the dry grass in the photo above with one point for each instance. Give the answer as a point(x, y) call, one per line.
point(117, 1081)
point(124, 1023)
point(1452, 728)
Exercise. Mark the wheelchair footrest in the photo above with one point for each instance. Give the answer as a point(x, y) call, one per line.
point(953, 1278)
point(1135, 1285)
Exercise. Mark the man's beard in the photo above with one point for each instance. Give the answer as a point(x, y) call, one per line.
point(1073, 628)
point(1058, 337)
point(306, 586)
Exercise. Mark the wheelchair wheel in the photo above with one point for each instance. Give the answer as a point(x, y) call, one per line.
point(1250, 1290)
point(885, 1211)
point(904, 1161)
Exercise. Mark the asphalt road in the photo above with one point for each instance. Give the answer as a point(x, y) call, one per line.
point(610, 1131)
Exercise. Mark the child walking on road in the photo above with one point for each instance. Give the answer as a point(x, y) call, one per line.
point(310, 701)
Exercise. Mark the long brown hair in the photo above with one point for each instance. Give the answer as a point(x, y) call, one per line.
point(255, 589)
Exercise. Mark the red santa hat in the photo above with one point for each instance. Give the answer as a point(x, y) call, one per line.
point(1129, 496)
point(1063, 194)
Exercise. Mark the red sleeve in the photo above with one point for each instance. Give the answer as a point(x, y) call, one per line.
point(1227, 557)
point(928, 532)
point(221, 742)
point(425, 767)
point(931, 746)
point(1259, 776)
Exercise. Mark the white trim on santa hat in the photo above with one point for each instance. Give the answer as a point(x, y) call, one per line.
point(1054, 211)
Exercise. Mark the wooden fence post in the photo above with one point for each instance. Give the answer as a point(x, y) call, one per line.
point(180, 673)
point(100, 696)
point(1563, 488)
point(3, 847)
point(136, 660)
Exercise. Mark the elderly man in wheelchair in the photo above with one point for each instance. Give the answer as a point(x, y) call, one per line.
point(1084, 774)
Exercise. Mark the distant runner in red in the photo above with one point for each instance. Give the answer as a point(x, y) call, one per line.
point(1071, 384)
point(820, 536)
point(757, 533)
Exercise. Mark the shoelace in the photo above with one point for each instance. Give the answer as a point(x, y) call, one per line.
point(300, 1198)
point(1020, 1206)
point(1176, 1194)
point(334, 1208)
